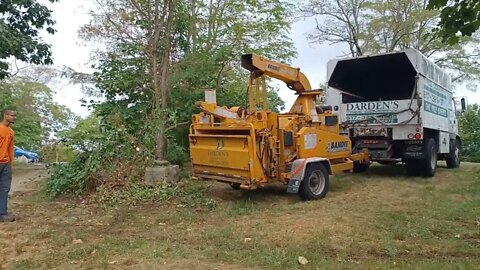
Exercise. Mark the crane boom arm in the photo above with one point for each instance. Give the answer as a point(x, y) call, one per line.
point(259, 66)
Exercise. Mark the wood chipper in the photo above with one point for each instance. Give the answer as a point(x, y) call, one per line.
point(250, 147)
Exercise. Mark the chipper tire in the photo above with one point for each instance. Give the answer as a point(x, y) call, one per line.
point(315, 183)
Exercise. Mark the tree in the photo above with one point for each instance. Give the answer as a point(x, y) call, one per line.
point(456, 16)
point(205, 38)
point(158, 57)
point(20, 22)
point(339, 21)
point(469, 127)
point(39, 118)
point(380, 26)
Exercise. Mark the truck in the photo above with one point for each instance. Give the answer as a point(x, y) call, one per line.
point(399, 106)
point(252, 147)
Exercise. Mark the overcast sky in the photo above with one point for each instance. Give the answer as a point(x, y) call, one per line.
point(69, 50)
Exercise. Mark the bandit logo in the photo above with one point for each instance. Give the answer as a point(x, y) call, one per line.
point(337, 146)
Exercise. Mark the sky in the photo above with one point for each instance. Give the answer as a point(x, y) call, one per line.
point(69, 50)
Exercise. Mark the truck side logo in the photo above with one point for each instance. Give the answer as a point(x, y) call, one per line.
point(377, 106)
point(337, 146)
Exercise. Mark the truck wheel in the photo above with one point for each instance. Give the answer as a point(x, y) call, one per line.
point(453, 158)
point(315, 183)
point(360, 167)
point(429, 164)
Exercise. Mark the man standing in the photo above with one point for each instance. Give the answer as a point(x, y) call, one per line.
point(6, 162)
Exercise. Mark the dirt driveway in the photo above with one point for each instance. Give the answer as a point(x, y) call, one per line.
point(27, 176)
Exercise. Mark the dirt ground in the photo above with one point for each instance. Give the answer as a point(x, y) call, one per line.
point(379, 220)
point(25, 177)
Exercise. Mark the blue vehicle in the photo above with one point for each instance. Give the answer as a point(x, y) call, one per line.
point(32, 156)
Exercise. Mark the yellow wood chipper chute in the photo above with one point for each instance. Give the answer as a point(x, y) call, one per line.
point(250, 147)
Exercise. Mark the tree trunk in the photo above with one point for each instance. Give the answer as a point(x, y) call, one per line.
point(163, 78)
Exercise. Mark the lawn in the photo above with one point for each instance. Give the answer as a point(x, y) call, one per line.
point(379, 220)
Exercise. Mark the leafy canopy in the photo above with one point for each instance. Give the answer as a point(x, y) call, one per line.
point(20, 22)
point(457, 16)
point(39, 118)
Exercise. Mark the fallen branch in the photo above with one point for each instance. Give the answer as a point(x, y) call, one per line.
point(177, 125)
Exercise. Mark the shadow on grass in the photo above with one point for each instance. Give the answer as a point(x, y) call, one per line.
point(340, 182)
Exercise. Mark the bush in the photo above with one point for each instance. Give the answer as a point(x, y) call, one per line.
point(176, 154)
point(65, 178)
point(56, 153)
point(469, 126)
point(111, 158)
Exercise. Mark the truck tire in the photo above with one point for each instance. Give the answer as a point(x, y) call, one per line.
point(453, 158)
point(315, 183)
point(360, 167)
point(429, 164)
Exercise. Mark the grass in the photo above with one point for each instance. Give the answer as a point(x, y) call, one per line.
point(380, 220)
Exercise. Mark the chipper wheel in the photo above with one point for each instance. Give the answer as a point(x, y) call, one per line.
point(315, 183)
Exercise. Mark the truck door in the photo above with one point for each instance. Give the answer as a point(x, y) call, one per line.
point(452, 117)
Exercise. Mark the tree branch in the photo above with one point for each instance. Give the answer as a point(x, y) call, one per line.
point(177, 125)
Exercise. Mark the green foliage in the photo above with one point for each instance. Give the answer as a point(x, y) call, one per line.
point(456, 16)
point(56, 152)
point(19, 32)
point(38, 116)
point(176, 153)
point(469, 126)
point(107, 156)
point(182, 195)
point(208, 38)
point(66, 178)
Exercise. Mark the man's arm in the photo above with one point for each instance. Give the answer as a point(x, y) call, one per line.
point(11, 155)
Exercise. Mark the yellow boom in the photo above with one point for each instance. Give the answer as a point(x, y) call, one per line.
point(259, 66)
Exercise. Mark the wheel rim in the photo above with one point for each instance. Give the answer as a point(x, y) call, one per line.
point(316, 182)
point(433, 160)
point(457, 154)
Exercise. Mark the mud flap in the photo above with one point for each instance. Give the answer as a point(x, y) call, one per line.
point(298, 172)
point(293, 185)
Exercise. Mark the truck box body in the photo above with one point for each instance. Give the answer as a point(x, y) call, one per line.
point(390, 103)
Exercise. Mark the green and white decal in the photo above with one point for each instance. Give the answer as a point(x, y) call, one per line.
point(435, 101)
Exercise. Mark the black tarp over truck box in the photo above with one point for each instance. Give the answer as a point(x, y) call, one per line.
point(374, 78)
